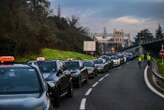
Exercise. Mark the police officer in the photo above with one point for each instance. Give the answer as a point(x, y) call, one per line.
point(148, 57)
point(140, 61)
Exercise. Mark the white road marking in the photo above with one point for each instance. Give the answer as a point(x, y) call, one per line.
point(88, 92)
point(149, 85)
point(106, 75)
point(101, 79)
point(82, 105)
point(95, 84)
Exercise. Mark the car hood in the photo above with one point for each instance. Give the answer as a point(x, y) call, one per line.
point(22, 102)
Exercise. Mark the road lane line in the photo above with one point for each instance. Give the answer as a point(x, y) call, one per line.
point(106, 75)
point(95, 84)
point(88, 92)
point(82, 105)
point(101, 79)
point(149, 85)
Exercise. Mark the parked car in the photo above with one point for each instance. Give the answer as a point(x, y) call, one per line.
point(22, 87)
point(116, 60)
point(78, 72)
point(101, 65)
point(59, 81)
point(89, 65)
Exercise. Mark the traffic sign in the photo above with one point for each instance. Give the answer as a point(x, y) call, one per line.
point(162, 53)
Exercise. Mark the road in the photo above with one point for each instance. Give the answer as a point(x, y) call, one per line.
point(123, 88)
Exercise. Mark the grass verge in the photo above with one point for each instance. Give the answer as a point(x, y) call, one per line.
point(52, 54)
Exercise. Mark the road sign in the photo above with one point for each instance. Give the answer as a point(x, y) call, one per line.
point(89, 46)
point(162, 53)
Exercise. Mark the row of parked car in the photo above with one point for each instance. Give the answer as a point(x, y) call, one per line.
point(40, 84)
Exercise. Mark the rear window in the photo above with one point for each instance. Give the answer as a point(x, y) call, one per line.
point(19, 80)
point(47, 67)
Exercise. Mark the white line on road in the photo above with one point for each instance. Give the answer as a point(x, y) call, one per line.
point(95, 84)
point(101, 79)
point(88, 92)
point(82, 105)
point(149, 85)
point(106, 75)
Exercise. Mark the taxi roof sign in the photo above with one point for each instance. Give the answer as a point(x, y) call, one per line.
point(40, 59)
point(4, 59)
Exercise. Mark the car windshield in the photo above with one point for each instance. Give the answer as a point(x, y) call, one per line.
point(98, 61)
point(47, 66)
point(72, 65)
point(88, 64)
point(114, 57)
point(19, 81)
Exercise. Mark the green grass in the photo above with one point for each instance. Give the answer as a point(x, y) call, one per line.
point(161, 66)
point(52, 54)
point(161, 70)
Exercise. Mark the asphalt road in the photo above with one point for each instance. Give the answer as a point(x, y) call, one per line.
point(123, 88)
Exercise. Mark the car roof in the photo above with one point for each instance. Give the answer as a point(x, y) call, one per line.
point(14, 65)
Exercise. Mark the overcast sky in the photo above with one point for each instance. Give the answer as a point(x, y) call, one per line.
point(130, 15)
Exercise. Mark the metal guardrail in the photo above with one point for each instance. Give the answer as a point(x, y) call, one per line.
point(155, 72)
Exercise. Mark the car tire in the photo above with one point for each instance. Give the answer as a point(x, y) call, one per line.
point(51, 107)
point(56, 99)
point(79, 83)
point(70, 90)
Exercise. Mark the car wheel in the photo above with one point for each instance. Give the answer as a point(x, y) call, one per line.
point(51, 107)
point(70, 90)
point(79, 83)
point(56, 99)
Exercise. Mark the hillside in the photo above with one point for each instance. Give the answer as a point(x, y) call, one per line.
point(56, 54)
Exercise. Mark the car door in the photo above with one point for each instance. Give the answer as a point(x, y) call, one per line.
point(83, 71)
point(63, 78)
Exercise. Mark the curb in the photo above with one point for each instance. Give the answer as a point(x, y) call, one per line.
point(149, 84)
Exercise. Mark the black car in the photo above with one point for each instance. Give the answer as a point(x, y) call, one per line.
point(58, 80)
point(23, 88)
point(78, 72)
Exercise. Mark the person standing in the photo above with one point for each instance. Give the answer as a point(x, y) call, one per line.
point(140, 61)
point(148, 57)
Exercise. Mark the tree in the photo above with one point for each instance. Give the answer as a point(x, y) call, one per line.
point(159, 33)
point(143, 36)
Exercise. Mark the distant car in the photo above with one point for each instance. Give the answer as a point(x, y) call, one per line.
point(78, 72)
point(121, 57)
point(89, 65)
point(108, 61)
point(130, 56)
point(101, 65)
point(59, 81)
point(23, 88)
point(116, 60)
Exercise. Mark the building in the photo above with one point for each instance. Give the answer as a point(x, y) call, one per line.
point(108, 42)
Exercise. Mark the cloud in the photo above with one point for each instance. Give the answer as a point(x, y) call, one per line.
point(128, 20)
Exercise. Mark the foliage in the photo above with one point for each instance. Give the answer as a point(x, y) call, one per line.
point(29, 26)
point(159, 33)
point(143, 36)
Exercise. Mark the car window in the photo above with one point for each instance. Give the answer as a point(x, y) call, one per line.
point(88, 64)
point(19, 80)
point(47, 67)
point(72, 65)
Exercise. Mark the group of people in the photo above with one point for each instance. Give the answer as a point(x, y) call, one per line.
point(144, 58)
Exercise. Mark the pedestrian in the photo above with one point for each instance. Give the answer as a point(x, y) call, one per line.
point(140, 61)
point(148, 58)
